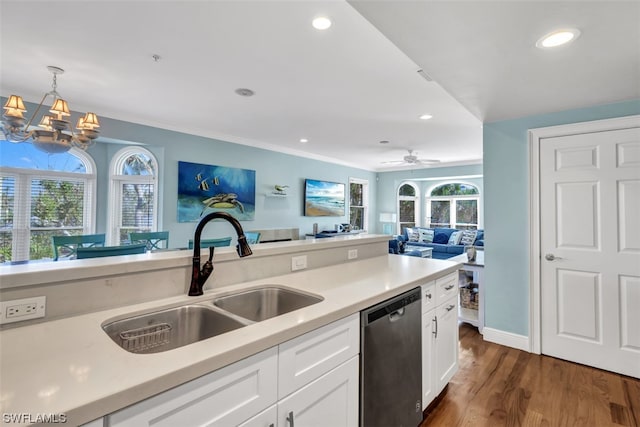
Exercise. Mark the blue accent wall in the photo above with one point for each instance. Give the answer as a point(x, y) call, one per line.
point(506, 201)
point(271, 168)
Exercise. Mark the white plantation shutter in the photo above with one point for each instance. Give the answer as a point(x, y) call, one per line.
point(133, 198)
point(44, 196)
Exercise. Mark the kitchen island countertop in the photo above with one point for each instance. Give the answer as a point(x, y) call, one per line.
point(71, 367)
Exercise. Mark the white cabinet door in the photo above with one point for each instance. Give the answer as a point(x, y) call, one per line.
point(222, 398)
point(266, 418)
point(445, 343)
point(428, 392)
point(446, 287)
point(428, 292)
point(305, 358)
point(331, 400)
point(95, 423)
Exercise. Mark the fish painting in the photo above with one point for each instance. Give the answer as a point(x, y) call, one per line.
point(208, 188)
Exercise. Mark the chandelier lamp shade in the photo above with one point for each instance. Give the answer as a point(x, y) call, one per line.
point(54, 133)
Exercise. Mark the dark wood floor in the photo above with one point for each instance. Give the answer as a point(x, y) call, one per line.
point(502, 386)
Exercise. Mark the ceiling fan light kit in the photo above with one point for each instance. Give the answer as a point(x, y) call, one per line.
point(56, 134)
point(412, 159)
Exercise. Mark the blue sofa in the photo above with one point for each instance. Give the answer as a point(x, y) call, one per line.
point(440, 244)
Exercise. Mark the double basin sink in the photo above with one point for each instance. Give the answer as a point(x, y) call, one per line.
point(179, 326)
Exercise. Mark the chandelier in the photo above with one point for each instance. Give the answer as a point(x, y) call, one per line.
point(55, 134)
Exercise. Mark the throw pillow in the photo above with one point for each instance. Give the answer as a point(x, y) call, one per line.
point(413, 235)
point(426, 235)
point(468, 237)
point(441, 238)
point(455, 237)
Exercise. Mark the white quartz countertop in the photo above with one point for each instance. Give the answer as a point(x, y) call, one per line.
point(70, 366)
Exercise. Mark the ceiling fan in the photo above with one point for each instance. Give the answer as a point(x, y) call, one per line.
point(411, 159)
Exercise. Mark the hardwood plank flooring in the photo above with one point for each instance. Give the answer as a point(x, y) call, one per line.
point(502, 386)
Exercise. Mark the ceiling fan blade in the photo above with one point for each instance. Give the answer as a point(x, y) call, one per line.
point(428, 161)
point(394, 162)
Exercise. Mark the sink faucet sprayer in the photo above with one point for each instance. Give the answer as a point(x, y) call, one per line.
point(198, 277)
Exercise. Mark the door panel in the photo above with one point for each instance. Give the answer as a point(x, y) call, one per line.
point(590, 245)
point(579, 308)
point(629, 312)
point(629, 209)
point(577, 211)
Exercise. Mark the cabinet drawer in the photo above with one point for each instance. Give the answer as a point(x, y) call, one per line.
point(305, 358)
point(428, 292)
point(222, 398)
point(446, 287)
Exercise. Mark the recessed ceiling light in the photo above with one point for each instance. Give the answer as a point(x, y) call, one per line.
point(245, 92)
point(558, 38)
point(304, 140)
point(426, 117)
point(321, 23)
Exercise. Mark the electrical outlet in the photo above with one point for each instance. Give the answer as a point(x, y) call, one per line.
point(352, 254)
point(18, 310)
point(298, 262)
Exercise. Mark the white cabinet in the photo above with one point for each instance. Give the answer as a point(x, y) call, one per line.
point(445, 342)
point(331, 400)
point(439, 335)
point(222, 398)
point(305, 358)
point(95, 423)
point(266, 418)
point(314, 376)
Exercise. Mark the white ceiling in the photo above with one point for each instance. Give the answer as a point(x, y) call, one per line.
point(345, 89)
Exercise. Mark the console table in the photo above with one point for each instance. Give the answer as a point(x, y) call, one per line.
point(471, 283)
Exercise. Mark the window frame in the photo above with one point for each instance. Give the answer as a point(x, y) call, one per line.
point(21, 229)
point(453, 199)
point(116, 182)
point(365, 201)
point(416, 205)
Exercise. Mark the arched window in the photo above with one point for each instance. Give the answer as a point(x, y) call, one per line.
point(43, 195)
point(408, 206)
point(133, 194)
point(453, 205)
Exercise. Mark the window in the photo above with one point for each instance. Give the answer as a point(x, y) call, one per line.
point(43, 195)
point(453, 205)
point(358, 203)
point(133, 198)
point(408, 205)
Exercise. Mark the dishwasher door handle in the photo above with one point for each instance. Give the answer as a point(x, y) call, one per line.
point(396, 315)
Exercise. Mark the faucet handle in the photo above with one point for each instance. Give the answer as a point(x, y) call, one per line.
point(211, 249)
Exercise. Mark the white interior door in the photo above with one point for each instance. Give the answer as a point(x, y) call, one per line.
point(590, 247)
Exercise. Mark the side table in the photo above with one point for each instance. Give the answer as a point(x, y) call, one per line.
point(419, 251)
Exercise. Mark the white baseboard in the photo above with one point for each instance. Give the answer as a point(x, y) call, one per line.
point(521, 342)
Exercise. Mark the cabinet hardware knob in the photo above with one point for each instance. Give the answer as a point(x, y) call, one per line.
point(428, 295)
point(290, 419)
point(449, 287)
point(450, 307)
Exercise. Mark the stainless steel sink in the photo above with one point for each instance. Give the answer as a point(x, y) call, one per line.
point(171, 328)
point(265, 303)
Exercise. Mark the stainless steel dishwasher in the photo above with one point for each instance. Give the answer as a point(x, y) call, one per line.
point(391, 362)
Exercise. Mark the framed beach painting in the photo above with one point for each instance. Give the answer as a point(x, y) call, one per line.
point(208, 188)
point(323, 198)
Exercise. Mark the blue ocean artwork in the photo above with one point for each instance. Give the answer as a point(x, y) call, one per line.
point(208, 188)
point(323, 198)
